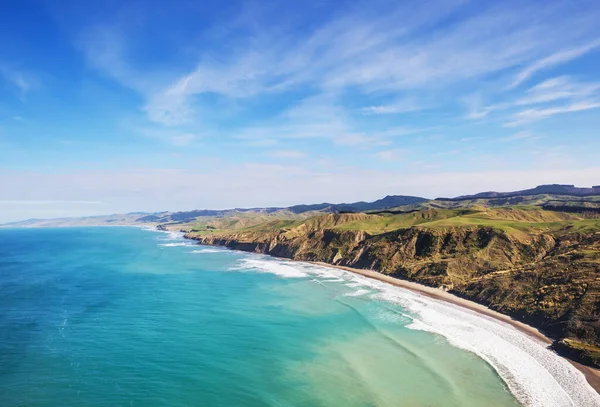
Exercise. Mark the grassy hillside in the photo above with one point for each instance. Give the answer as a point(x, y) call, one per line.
point(592, 201)
point(518, 221)
point(245, 221)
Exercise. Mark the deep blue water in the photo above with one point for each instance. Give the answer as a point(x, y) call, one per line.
point(128, 317)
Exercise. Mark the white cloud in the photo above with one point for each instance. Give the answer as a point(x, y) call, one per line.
point(23, 81)
point(556, 58)
point(476, 109)
point(318, 117)
point(532, 115)
point(322, 117)
point(559, 88)
point(404, 106)
point(523, 135)
point(557, 95)
point(105, 50)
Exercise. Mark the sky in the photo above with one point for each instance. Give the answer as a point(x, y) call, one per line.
point(119, 106)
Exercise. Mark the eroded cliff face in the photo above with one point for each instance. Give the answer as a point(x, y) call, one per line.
point(546, 281)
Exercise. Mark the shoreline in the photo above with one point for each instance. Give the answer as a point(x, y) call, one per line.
point(592, 375)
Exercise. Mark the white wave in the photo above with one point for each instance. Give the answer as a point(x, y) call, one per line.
point(150, 229)
point(173, 235)
point(175, 244)
point(330, 279)
point(354, 284)
point(537, 376)
point(201, 251)
point(358, 293)
point(275, 267)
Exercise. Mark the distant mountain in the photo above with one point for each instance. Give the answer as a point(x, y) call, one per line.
point(390, 201)
point(551, 189)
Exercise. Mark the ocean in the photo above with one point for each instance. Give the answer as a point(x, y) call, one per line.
point(123, 316)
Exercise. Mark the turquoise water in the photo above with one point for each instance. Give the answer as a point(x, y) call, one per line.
point(127, 317)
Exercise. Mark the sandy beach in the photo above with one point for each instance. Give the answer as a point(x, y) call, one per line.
point(592, 375)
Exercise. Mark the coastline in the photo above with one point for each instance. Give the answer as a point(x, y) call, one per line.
point(592, 375)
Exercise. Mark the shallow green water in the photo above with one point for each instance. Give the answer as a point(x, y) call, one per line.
point(126, 317)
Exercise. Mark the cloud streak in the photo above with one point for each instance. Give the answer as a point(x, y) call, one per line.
point(19, 79)
point(557, 58)
point(531, 115)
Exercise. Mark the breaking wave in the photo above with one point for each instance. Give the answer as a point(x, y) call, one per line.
point(173, 235)
point(175, 244)
point(202, 251)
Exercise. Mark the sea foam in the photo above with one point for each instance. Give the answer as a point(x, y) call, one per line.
point(168, 235)
point(358, 293)
point(202, 251)
point(280, 268)
point(537, 376)
point(174, 235)
point(175, 244)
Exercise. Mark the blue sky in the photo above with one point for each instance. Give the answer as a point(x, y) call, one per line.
point(115, 106)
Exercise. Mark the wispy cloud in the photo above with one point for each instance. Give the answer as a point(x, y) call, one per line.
point(105, 49)
point(24, 82)
point(404, 106)
point(521, 136)
point(558, 95)
point(531, 115)
point(476, 109)
point(562, 87)
point(320, 118)
point(557, 58)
